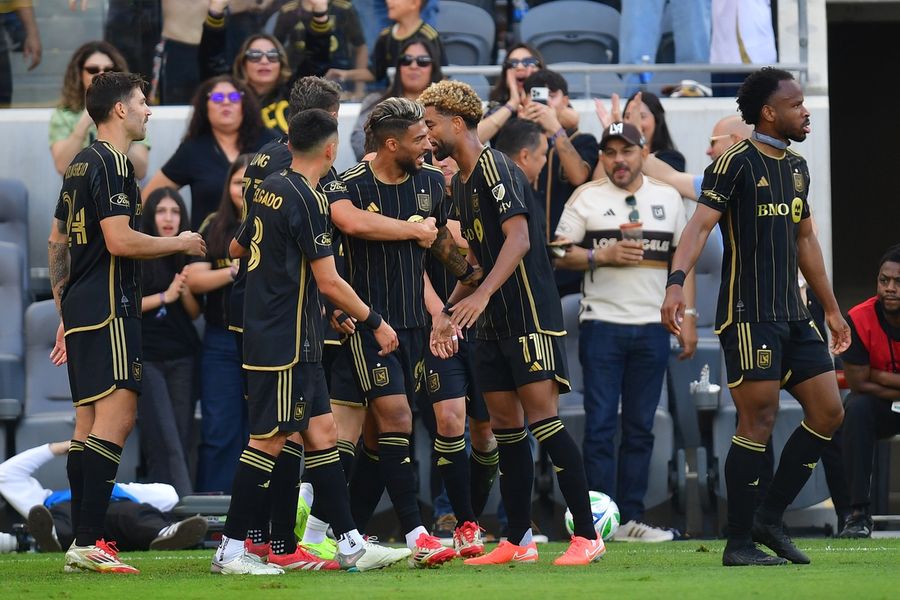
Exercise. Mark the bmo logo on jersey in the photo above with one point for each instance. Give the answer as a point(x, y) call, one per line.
point(795, 210)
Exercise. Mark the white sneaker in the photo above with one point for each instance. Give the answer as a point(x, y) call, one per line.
point(372, 556)
point(635, 531)
point(244, 564)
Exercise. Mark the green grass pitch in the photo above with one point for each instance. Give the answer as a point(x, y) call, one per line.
point(846, 569)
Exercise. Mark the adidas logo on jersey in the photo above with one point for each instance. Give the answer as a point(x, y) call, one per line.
point(372, 207)
point(763, 182)
point(536, 366)
point(609, 213)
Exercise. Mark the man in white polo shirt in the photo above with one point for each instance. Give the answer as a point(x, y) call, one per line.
point(624, 348)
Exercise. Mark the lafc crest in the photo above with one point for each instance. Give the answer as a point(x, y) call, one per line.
point(799, 184)
point(299, 410)
point(380, 376)
point(423, 201)
point(763, 359)
point(434, 382)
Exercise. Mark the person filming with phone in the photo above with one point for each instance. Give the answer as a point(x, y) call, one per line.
point(624, 229)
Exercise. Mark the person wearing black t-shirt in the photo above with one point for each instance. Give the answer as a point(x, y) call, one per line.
point(170, 344)
point(757, 192)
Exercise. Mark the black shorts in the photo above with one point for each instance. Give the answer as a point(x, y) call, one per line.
point(398, 373)
point(507, 364)
point(105, 359)
point(285, 400)
point(455, 378)
point(343, 387)
point(787, 351)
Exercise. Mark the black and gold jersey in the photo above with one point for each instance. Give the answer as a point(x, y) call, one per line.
point(99, 183)
point(283, 322)
point(763, 200)
point(388, 276)
point(442, 280)
point(527, 302)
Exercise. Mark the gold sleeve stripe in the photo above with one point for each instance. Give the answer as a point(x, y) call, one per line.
point(353, 172)
point(721, 165)
point(489, 168)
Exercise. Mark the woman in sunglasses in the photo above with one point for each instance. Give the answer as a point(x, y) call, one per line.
point(225, 122)
point(416, 70)
point(71, 128)
point(261, 64)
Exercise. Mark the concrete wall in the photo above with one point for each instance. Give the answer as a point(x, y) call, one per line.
point(24, 153)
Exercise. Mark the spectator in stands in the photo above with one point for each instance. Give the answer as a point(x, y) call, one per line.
point(170, 345)
point(225, 122)
point(571, 158)
point(872, 368)
point(325, 39)
point(416, 70)
point(224, 414)
point(132, 26)
point(176, 72)
point(262, 66)
point(742, 33)
point(407, 24)
point(374, 15)
point(71, 127)
point(136, 517)
point(623, 347)
point(31, 47)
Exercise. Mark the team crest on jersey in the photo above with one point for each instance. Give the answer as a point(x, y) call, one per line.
point(335, 186)
point(120, 199)
point(659, 212)
point(299, 410)
point(475, 206)
point(137, 371)
point(763, 359)
point(380, 376)
point(423, 201)
point(799, 186)
point(434, 383)
point(499, 192)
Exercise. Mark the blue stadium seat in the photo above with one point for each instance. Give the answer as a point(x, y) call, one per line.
point(467, 32)
point(573, 30)
point(12, 372)
point(14, 223)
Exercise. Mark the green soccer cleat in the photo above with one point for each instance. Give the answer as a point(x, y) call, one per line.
point(325, 550)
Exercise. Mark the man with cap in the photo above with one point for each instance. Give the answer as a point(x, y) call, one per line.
point(624, 229)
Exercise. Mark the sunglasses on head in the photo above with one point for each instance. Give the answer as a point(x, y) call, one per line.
point(408, 59)
point(634, 216)
point(94, 70)
point(219, 97)
point(256, 56)
point(715, 138)
point(531, 61)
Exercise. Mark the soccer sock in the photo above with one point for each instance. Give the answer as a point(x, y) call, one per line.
point(742, 470)
point(366, 487)
point(798, 459)
point(307, 493)
point(483, 472)
point(413, 535)
point(284, 494)
point(453, 465)
point(516, 480)
point(323, 469)
point(75, 471)
point(348, 455)
point(100, 463)
point(350, 542)
point(396, 467)
point(315, 530)
point(249, 490)
point(567, 463)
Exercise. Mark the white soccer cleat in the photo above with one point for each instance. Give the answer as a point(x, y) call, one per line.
point(244, 564)
point(372, 556)
point(635, 531)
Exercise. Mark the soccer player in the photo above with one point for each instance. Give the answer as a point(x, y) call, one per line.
point(520, 362)
point(397, 183)
point(757, 191)
point(95, 277)
point(290, 262)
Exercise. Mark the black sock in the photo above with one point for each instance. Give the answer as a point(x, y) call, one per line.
point(75, 471)
point(324, 472)
point(743, 466)
point(249, 490)
point(100, 463)
point(366, 487)
point(284, 493)
point(569, 467)
point(453, 465)
point(516, 480)
point(347, 451)
point(798, 459)
point(396, 467)
point(483, 472)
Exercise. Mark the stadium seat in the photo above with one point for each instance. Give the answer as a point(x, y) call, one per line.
point(478, 82)
point(573, 29)
point(12, 370)
point(14, 223)
point(467, 32)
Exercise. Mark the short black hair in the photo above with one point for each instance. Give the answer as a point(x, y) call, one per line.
point(107, 90)
point(518, 134)
point(892, 255)
point(314, 92)
point(756, 90)
point(548, 79)
point(309, 128)
point(391, 118)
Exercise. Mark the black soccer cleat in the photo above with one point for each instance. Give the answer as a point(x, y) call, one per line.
point(857, 526)
point(746, 554)
point(40, 525)
point(774, 537)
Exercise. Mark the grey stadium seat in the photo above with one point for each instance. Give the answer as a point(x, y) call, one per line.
point(478, 82)
point(12, 370)
point(573, 30)
point(467, 33)
point(14, 222)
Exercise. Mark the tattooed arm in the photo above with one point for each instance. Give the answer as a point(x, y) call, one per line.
point(58, 258)
point(445, 249)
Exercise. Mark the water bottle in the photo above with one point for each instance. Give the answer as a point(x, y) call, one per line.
point(8, 543)
point(645, 76)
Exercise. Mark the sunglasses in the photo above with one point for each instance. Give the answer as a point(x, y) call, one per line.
point(531, 61)
point(256, 56)
point(94, 70)
point(634, 216)
point(715, 138)
point(408, 59)
point(219, 97)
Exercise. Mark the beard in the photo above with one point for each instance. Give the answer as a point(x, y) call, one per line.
point(409, 165)
point(442, 150)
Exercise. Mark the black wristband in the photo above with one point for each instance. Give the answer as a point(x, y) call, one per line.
point(446, 309)
point(676, 278)
point(469, 270)
point(373, 321)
